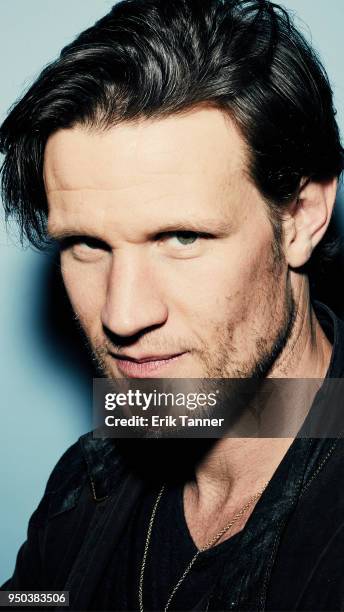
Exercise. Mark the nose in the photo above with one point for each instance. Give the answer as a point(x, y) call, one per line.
point(133, 302)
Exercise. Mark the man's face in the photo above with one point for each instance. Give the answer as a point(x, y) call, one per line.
point(169, 258)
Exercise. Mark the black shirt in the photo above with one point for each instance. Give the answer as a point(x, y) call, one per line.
point(170, 551)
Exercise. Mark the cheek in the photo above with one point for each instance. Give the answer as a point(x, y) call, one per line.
point(86, 289)
point(257, 307)
point(228, 284)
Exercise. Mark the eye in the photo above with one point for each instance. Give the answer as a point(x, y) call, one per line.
point(84, 242)
point(182, 238)
point(84, 248)
point(183, 244)
point(90, 243)
point(186, 238)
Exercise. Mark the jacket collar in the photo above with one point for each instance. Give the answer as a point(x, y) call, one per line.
point(104, 464)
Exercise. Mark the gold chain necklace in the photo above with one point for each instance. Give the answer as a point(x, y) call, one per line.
point(209, 544)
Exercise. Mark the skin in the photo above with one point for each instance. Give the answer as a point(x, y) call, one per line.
point(175, 274)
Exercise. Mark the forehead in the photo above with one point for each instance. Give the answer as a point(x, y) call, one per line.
point(198, 142)
point(145, 168)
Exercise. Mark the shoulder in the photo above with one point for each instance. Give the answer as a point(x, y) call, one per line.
point(92, 462)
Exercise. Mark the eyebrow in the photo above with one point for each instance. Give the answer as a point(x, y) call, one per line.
point(205, 226)
point(61, 234)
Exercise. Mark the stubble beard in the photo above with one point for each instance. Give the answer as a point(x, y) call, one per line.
point(266, 353)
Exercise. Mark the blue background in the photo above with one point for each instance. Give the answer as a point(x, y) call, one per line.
point(46, 383)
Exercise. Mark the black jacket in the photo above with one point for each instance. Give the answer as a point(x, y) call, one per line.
point(297, 564)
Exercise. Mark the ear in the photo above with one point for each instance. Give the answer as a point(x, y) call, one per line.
point(306, 222)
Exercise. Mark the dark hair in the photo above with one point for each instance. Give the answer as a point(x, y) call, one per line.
point(152, 58)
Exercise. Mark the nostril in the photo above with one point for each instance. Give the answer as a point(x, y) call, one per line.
point(119, 341)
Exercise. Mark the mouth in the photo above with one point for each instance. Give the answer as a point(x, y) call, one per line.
point(145, 367)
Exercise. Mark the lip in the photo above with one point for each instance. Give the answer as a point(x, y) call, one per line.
point(145, 367)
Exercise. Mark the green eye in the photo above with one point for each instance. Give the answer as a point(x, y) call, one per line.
point(186, 238)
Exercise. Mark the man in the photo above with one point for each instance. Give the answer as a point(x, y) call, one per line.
point(185, 156)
